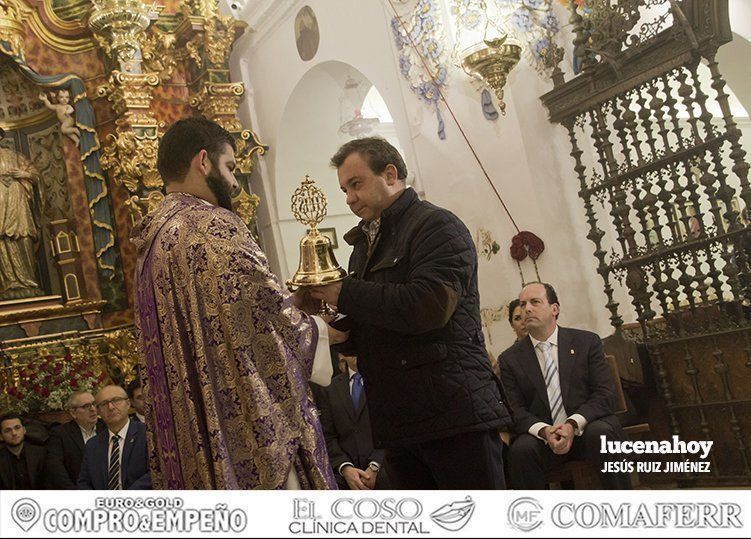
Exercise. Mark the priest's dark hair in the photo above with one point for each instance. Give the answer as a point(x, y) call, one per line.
point(378, 152)
point(183, 140)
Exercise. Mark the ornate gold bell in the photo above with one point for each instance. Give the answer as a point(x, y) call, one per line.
point(318, 265)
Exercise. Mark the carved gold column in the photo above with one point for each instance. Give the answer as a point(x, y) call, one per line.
point(208, 39)
point(11, 29)
point(130, 154)
point(117, 25)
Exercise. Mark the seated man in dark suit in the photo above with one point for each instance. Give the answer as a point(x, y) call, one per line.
point(117, 458)
point(562, 394)
point(66, 442)
point(346, 425)
point(339, 366)
point(21, 463)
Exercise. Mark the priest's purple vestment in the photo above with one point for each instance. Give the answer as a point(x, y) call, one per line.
point(226, 357)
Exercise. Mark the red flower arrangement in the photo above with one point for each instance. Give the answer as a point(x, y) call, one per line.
point(526, 243)
point(45, 384)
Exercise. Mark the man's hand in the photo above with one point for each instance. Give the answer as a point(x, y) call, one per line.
point(354, 478)
point(370, 478)
point(560, 438)
point(328, 293)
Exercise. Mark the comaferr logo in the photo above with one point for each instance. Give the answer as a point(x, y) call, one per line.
point(525, 514)
point(454, 516)
point(590, 515)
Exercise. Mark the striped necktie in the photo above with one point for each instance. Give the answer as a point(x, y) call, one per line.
point(113, 476)
point(553, 384)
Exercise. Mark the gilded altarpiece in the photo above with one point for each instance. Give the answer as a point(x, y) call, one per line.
point(86, 90)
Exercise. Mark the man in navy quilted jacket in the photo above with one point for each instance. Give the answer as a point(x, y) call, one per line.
point(412, 298)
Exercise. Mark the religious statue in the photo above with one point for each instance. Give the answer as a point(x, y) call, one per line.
point(64, 112)
point(19, 231)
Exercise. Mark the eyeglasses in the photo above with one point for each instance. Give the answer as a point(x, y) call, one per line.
point(88, 406)
point(116, 401)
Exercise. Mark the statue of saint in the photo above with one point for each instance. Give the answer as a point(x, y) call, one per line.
point(19, 231)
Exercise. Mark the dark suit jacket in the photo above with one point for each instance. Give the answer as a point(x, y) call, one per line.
point(34, 464)
point(587, 384)
point(65, 454)
point(135, 462)
point(348, 433)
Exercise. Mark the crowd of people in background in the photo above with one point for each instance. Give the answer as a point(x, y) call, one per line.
point(101, 447)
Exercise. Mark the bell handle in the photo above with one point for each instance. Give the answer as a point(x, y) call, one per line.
point(326, 309)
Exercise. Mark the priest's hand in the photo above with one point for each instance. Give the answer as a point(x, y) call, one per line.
point(328, 293)
point(305, 302)
point(354, 478)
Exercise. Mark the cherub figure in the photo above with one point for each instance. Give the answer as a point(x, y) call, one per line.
point(64, 112)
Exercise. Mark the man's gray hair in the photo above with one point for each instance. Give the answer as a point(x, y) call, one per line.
point(69, 402)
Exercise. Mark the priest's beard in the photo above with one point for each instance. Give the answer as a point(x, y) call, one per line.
point(219, 187)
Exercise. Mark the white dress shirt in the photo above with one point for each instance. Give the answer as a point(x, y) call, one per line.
point(351, 378)
point(88, 435)
point(121, 442)
point(578, 418)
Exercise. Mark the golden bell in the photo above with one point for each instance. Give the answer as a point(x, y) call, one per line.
point(318, 265)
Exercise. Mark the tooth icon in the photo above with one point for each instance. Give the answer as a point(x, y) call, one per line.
point(454, 516)
point(25, 512)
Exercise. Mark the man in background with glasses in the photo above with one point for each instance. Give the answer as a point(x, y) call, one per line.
point(66, 443)
point(115, 459)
